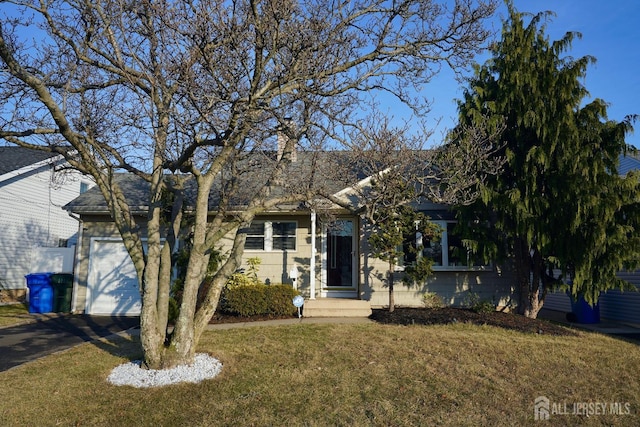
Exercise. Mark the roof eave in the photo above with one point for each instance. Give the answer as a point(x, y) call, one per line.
point(34, 166)
point(101, 210)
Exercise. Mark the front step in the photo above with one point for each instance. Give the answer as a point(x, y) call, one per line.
point(336, 307)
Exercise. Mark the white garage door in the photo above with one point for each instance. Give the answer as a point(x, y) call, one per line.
point(112, 282)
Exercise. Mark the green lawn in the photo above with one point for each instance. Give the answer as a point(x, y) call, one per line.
point(345, 375)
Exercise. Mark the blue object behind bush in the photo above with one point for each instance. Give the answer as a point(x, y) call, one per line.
point(40, 292)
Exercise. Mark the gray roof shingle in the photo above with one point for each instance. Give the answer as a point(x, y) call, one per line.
point(13, 158)
point(136, 190)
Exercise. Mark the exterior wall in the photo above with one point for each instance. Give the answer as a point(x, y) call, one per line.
point(495, 284)
point(32, 217)
point(454, 287)
point(53, 259)
point(275, 265)
point(558, 301)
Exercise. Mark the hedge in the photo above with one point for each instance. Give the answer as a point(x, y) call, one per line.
point(259, 299)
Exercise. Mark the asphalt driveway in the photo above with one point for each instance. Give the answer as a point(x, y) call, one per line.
point(49, 334)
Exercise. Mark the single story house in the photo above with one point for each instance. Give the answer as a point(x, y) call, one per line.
point(37, 234)
point(324, 258)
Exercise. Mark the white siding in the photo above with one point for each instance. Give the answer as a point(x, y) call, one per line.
point(558, 301)
point(621, 306)
point(614, 305)
point(31, 216)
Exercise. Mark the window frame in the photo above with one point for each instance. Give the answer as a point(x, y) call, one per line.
point(444, 243)
point(262, 236)
point(283, 238)
point(269, 238)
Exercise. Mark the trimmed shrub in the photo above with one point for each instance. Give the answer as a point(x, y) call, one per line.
point(245, 300)
point(280, 300)
point(259, 300)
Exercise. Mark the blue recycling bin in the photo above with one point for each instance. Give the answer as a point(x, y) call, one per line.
point(584, 313)
point(40, 292)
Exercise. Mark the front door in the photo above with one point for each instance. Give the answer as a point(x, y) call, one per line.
point(340, 259)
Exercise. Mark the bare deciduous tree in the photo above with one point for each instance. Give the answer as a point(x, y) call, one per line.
point(198, 90)
point(402, 174)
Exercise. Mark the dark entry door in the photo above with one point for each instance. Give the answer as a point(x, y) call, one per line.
point(340, 254)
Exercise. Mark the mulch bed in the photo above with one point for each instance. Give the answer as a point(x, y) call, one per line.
point(437, 316)
point(449, 315)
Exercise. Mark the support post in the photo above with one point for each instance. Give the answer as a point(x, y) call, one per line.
point(312, 263)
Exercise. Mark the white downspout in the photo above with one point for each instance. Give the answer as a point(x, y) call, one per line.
point(76, 261)
point(312, 264)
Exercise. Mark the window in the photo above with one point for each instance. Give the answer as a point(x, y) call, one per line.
point(255, 237)
point(284, 235)
point(271, 236)
point(84, 186)
point(446, 250)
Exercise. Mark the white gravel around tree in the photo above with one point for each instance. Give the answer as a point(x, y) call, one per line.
point(131, 374)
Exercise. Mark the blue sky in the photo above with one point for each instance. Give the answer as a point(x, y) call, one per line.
point(610, 33)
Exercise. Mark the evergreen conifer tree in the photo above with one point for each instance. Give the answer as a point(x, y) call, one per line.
point(559, 207)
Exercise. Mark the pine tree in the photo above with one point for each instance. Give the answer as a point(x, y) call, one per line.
point(559, 208)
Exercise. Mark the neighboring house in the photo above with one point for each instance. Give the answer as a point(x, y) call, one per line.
point(613, 304)
point(37, 234)
point(322, 259)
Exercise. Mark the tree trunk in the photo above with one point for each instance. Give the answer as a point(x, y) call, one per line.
point(530, 304)
point(152, 340)
point(151, 335)
point(523, 275)
point(209, 305)
point(181, 349)
point(538, 270)
point(529, 276)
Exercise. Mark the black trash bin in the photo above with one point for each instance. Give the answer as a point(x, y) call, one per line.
point(40, 292)
point(62, 284)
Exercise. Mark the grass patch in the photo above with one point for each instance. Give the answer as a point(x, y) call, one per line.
point(13, 314)
point(344, 375)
